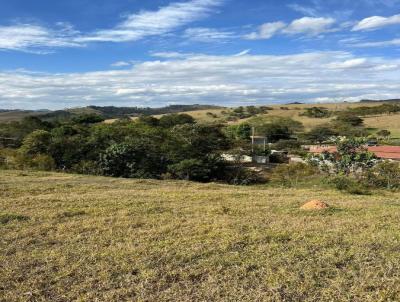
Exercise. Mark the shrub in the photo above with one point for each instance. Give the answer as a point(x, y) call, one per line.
point(171, 120)
point(321, 134)
point(243, 176)
point(6, 218)
point(317, 112)
point(43, 162)
point(88, 118)
point(149, 120)
point(349, 185)
point(292, 174)
point(384, 134)
point(36, 142)
point(384, 175)
point(189, 169)
point(349, 119)
point(140, 159)
point(287, 145)
point(87, 167)
point(3, 159)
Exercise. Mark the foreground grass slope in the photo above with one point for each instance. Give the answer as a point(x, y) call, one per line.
point(78, 238)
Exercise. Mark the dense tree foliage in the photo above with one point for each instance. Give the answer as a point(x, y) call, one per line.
point(321, 134)
point(317, 112)
point(176, 146)
point(374, 110)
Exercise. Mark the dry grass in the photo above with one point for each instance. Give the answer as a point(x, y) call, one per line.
point(77, 238)
point(388, 122)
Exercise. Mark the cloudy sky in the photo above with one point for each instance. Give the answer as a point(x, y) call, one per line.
point(69, 53)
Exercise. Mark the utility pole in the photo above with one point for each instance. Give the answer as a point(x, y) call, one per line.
point(252, 139)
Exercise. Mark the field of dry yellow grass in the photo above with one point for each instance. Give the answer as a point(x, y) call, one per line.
point(81, 238)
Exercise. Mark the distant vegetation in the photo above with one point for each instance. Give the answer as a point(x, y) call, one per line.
point(317, 112)
point(381, 109)
point(176, 145)
point(109, 112)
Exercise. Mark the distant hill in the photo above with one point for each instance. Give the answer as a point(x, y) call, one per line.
point(108, 112)
point(118, 112)
point(295, 103)
point(380, 101)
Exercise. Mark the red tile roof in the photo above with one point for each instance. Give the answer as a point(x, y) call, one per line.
point(386, 152)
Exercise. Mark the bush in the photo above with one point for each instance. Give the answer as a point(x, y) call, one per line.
point(88, 118)
point(320, 134)
point(384, 175)
point(290, 175)
point(317, 112)
point(287, 145)
point(140, 159)
point(87, 167)
point(350, 119)
point(243, 176)
point(190, 169)
point(349, 185)
point(171, 120)
point(43, 162)
point(3, 160)
point(37, 142)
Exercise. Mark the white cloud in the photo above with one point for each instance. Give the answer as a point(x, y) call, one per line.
point(266, 31)
point(307, 26)
point(201, 34)
point(308, 11)
point(310, 26)
point(170, 55)
point(35, 38)
point(197, 78)
point(349, 64)
point(376, 22)
point(151, 23)
point(394, 42)
point(121, 64)
point(242, 53)
point(39, 39)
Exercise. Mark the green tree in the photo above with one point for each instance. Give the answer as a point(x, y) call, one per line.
point(317, 112)
point(149, 120)
point(351, 157)
point(321, 134)
point(138, 158)
point(290, 175)
point(196, 169)
point(239, 132)
point(385, 134)
point(385, 174)
point(171, 120)
point(350, 119)
point(88, 119)
point(37, 142)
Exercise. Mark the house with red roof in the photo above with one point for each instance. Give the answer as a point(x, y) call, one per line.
point(383, 152)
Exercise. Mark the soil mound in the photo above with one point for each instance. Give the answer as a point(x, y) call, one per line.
point(315, 205)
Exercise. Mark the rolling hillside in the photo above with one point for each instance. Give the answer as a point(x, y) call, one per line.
point(388, 122)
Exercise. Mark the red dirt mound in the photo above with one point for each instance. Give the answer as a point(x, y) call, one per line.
point(314, 205)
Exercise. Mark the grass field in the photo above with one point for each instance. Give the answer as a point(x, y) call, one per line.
point(78, 238)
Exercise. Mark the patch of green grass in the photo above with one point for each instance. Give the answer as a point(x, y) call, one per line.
point(105, 239)
point(6, 218)
point(70, 214)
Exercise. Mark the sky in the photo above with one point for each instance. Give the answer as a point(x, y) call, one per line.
point(75, 53)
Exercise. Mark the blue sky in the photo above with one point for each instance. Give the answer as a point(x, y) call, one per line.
point(57, 54)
